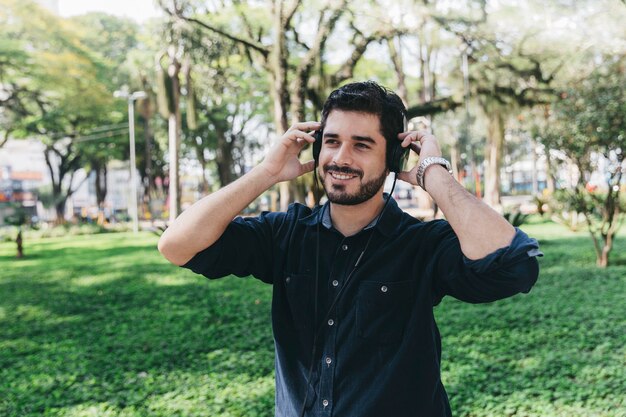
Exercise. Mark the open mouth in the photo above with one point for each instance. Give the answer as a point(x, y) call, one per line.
point(340, 176)
point(338, 173)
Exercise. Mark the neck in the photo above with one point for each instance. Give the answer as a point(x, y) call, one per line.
point(349, 220)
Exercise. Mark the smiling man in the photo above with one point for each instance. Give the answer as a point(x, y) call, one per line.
point(355, 280)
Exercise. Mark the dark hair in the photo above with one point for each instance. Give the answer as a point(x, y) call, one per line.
point(372, 98)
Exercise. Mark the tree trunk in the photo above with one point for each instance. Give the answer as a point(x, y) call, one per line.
point(495, 140)
point(149, 176)
point(59, 208)
point(173, 72)
point(224, 158)
point(224, 171)
point(279, 82)
point(535, 180)
point(396, 58)
point(603, 259)
point(146, 110)
point(56, 176)
point(18, 242)
point(173, 146)
point(101, 190)
point(204, 186)
point(550, 186)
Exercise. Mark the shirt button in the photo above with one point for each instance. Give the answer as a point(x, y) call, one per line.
point(331, 322)
point(287, 280)
point(335, 283)
point(328, 360)
point(344, 247)
point(384, 288)
point(325, 403)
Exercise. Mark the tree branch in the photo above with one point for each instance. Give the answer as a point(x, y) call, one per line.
point(361, 43)
point(248, 43)
point(326, 25)
point(398, 66)
point(243, 17)
point(433, 107)
point(6, 137)
point(291, 12)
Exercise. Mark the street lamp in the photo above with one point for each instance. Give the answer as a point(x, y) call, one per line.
point(131, 97)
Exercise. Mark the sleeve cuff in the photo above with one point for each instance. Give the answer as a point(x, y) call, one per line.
point(522, 247)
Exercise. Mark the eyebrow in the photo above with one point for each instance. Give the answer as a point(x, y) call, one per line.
point(357, 138)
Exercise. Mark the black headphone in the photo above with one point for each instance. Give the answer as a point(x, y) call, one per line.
point(396, 155)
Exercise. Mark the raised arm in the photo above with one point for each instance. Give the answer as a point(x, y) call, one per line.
point(204, 222)
point(480, 229)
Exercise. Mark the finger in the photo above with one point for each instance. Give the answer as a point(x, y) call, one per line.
point(306, 136)
point(424, 135)
point(300, 136)
point(310, 125)
point(411, 137)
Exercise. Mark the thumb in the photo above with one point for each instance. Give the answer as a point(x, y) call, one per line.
point(406, 176)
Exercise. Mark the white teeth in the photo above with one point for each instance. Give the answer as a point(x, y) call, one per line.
point(341, 176)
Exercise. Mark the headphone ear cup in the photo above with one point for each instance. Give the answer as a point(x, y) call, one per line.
point(317, 145)
point(397, 158)
point(397, 154)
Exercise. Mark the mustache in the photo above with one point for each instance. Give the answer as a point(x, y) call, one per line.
point(343, 170)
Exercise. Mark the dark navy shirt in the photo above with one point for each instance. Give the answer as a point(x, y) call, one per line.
point(378, 348)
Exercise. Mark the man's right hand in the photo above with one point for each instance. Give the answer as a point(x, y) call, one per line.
point(200, 225)
point(282, 163)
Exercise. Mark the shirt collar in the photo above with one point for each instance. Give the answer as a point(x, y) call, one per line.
point(386, 224)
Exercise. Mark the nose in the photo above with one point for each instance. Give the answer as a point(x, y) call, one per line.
point(343, 155)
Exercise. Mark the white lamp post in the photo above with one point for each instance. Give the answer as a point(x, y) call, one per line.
point(131, 133)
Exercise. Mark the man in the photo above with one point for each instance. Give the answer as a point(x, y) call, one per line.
point(355, 280)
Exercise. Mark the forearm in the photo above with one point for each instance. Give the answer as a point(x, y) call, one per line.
point(199, 226)
point(480, 229)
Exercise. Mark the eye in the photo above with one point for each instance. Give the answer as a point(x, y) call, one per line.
point(362, 146)
point(330, 141)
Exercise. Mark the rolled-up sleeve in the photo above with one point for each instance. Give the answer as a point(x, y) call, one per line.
point(503, 273)
point(245, 248)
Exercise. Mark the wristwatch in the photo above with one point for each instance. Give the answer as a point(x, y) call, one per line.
point(431, 160)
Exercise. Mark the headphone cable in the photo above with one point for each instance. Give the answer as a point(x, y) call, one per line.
point(319, 326)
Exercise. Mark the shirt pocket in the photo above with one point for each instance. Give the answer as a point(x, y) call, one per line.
point(382, 311)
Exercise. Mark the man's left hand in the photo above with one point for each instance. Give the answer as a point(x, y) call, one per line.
point(424, 144)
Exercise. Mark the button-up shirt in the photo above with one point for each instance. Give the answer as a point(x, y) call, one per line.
point(354, 332)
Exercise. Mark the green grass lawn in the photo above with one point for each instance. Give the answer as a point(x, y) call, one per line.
point(101, 325)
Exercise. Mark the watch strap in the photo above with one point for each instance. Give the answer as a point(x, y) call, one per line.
point(426, 162)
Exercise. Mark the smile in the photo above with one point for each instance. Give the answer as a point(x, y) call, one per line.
point(339, 176)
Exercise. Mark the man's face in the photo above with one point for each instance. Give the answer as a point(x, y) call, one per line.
point(352, 159)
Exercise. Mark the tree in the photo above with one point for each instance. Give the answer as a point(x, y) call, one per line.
point(142, 76)
point(18, 95)
point(229, 109)
point(506, 73)
point(63, 93)
point(587, 123)
point(109, 38)
point(292, 61)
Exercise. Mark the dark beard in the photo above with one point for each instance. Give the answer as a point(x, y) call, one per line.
point(337, 195)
